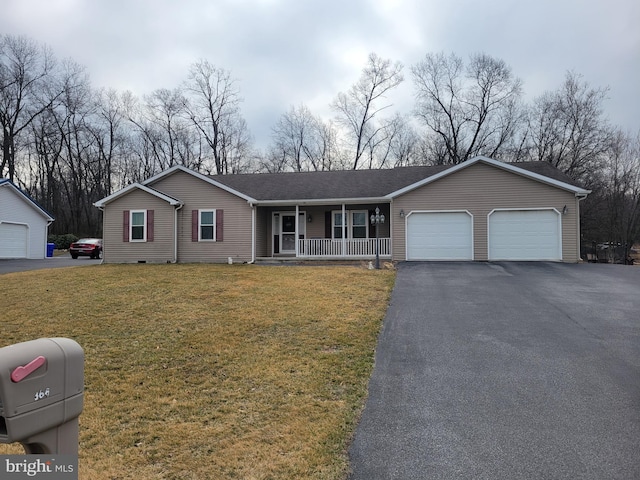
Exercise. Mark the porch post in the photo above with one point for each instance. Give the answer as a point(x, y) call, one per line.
point(344, 230)
point(296, 227)
point(253, 232)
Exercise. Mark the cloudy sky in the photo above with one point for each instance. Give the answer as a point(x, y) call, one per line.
point(290, 52)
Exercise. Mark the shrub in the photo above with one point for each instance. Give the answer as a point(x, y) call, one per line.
point(62, 242)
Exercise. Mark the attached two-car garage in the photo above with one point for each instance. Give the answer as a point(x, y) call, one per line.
point(525, 234)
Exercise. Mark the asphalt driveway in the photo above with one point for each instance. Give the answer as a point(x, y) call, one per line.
point(24, 264)
point(505, 371)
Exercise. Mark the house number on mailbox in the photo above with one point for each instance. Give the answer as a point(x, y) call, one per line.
point(41, 394)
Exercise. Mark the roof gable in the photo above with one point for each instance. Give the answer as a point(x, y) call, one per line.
point(5, 182)
point(527, 170)
point(210, 180)
point(136, 186)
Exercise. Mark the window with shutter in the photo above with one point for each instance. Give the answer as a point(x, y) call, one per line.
point(138, 226)
point(207, 225)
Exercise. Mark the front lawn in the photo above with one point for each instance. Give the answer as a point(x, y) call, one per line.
point(209, 371)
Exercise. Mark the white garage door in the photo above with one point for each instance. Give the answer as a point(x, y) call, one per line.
point(525, 235)
point(439, 236)
point(13, 240)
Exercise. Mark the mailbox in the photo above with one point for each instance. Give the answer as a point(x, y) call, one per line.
point(41, 395)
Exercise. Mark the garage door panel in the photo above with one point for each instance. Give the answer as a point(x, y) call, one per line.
point(524, 235)
point(439, 236)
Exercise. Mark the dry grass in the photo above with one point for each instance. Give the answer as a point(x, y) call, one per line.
point(204, 371)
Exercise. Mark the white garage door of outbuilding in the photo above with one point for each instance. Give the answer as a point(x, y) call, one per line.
point(13, 240)
point(440, 236)
point(525, 235)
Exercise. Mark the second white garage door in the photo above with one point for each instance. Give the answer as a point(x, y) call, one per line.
point(525, 235)
point(440, 236)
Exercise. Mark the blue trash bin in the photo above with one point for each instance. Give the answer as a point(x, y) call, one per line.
point(50, 248)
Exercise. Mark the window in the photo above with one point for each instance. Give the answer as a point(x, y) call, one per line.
point(337, 224)
point(359, 224)
point(356, 223)
point(138, 224)
point(207, 226)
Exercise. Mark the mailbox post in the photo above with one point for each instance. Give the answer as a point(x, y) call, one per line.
point(41, 395)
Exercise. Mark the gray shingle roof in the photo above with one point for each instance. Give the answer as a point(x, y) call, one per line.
point(349, 184)
point(335, 184)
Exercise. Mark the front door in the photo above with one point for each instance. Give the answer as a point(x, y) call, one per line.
point(284, 231)
point(288, 233)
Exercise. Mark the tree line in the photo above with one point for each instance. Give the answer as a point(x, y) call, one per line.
point(68, 144)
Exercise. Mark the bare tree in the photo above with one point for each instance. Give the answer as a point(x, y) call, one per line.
point(172, 138)
point(213, 105)
point(567, 128)
point(621, 195)
point(468, 110)
point(404, 144)
point(235, 146)
point(25, 72)
point(303, 141)
point(293, 137)
point(358, 110)
point(109, 133)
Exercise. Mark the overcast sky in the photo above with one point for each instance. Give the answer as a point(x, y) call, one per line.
point(289, 52)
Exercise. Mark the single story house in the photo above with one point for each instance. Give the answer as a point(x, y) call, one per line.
point(481, 209)
point(24, 225)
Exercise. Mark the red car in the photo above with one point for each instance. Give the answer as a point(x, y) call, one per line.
point(86, 247)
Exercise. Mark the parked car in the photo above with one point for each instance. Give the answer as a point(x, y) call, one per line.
point(86, 247)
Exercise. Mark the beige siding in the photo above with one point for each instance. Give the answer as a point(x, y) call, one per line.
point(262, 231)
point(198, 194)
point(479, 189)
point(117, 251)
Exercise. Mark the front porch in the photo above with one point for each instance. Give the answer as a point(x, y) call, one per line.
point(323, 232)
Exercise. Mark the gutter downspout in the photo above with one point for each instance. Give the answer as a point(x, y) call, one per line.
point(175, 233)
point(580, 197)
point(46, 238)
point(102, 210)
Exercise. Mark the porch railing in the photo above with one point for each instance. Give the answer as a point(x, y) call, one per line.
point(353, 247)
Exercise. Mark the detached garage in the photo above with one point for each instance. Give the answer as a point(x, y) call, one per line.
point(487, 210)
point(24, 225)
